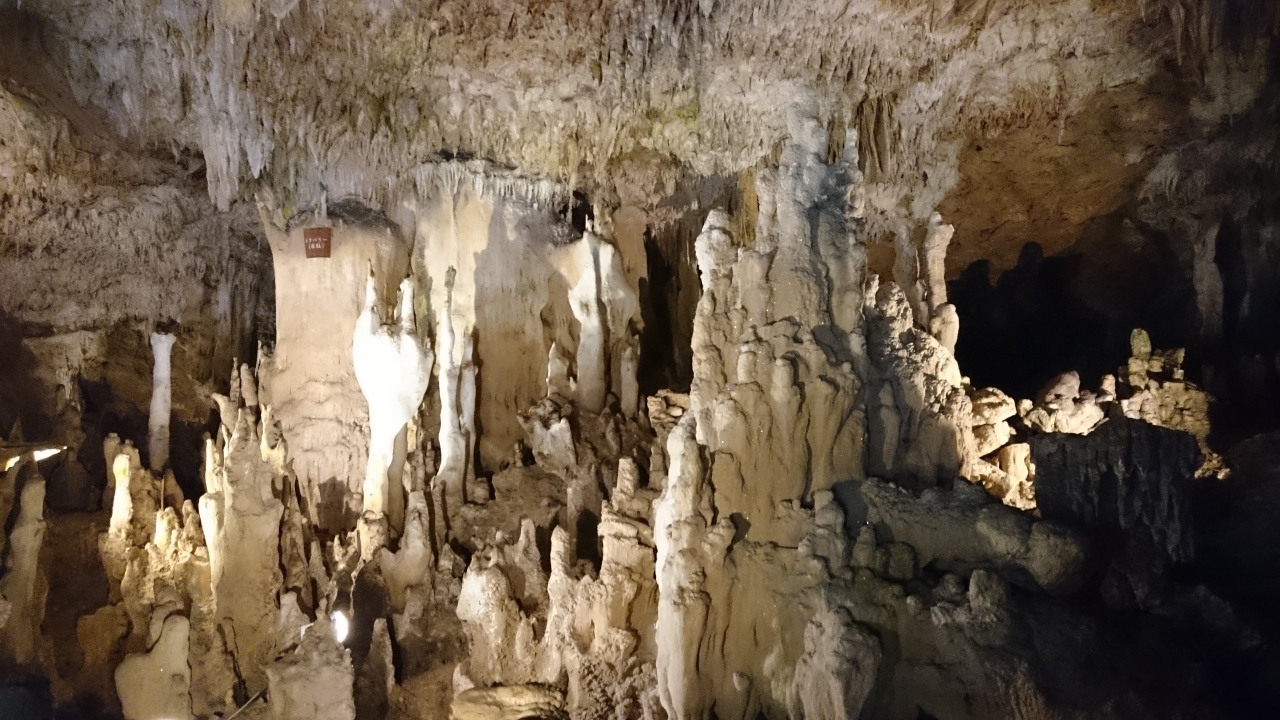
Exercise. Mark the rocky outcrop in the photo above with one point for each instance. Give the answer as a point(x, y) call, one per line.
point(509, 702)
point(774, 371)
point(1128, 483)
point(23, 586)
point(963, 528)
point(315, 681)
point(157, 684)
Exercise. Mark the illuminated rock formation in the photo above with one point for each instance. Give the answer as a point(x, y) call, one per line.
point(392, 365)
point(23, 586)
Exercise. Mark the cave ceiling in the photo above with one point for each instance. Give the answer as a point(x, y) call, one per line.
point(1019, 121)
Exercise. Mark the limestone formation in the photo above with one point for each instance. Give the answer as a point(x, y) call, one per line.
point(315, 681)
point(161, 401)
point(1156, 390)
point(392, 365)
point(690, 547)
point(628, 360)
point(23, 586)
point(919, 426)
point(457, 408)
point(240, 515)
point(157, 685)
point(1044, 555)
point(773, 391)
point(508, 702)
point(837, 672)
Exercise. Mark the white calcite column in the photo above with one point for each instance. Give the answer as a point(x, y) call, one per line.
point(689, 547)
point(393, 367)
point(20, 584)
point(314, 682)
point(161, 401)
point(584, 300)
point(606, 308)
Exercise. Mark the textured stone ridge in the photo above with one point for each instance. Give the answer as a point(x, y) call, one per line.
point(1128, 482)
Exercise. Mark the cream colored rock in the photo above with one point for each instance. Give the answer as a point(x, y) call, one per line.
point(242, 525)
point(965, 527)
point(315, 681)
point(934, 250)
point(23, 585)
point(410, 565)
point(689, 546)
point(100, 634)
point(135, 500)
point(991, 405)
point(1009, 475)
point(156, 685)
point(161, 401)
point(989, 438)
point(1155, 390)
point(511, 702)
point(919, 425)
point(835, 675)
point(457, 407)
point(774, 402)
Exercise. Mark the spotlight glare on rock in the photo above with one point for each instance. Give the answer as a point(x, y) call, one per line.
point(339, 626)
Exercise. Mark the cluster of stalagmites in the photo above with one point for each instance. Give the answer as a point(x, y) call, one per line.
point(792, 538)
point(1151, 387)
point(215, 604)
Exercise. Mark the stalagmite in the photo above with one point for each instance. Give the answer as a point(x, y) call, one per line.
point(922, 431)
point(584, 298)
point(161, 401)
point(242, 523)
point(934, 271)
point(456, 444)
point(156, 685)
point(408, 568)
point(135, 501)
point(629, 393)
point(689, 547)
point(315, 681)
point(773, 392)
point(22, 585)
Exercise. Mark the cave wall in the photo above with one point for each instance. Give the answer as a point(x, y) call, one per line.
point(491, 253)
point(100, 243)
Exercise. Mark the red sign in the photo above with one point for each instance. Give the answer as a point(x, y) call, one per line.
point(317, 241)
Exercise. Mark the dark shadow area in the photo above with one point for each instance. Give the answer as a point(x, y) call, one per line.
point(1050, 315)
point(668, 301)
point(588, 545)
point(23, 399)
point(580, 212)
point(1243, 371)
